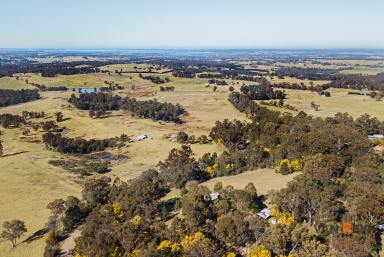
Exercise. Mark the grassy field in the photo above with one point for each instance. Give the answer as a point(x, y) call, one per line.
point(296, 80)
point(27, 184)
point(13, 83)
point(339, 101)
point(364, 70)
point(263, 179)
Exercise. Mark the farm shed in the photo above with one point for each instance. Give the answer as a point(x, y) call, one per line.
point(376, 136)
point(214, 196)
point(86, 90)
point(141, 137)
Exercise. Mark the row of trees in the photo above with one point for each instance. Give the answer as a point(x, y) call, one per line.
point(262, 92)
point(45, 88)
point(151, 109)
point(70, 145)
point(218, 82)
point(300, 86)
point(154, 79)
point(10, 97)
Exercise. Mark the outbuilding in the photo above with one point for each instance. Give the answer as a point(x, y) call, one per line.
point(86, 90)
point(141, 137)
point(265, 213)
point(376, 136)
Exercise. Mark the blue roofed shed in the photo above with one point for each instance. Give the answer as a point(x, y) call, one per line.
point(86, 90)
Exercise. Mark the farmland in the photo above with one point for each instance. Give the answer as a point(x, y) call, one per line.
point(29, 180)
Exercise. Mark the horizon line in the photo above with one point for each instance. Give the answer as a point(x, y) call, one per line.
point(189, 48)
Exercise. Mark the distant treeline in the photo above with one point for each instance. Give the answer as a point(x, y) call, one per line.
point(300, 86)
point(338, 80)
point(358, 82)
point(238, 74)
point(55, 68)
point(306, 73)
point(10, 97)
point(184, 73)
point(151, 109)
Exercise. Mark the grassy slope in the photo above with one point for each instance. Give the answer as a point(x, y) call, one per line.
point(263, 179)
point(27, 184)
point(339, 101)
point(12, 83)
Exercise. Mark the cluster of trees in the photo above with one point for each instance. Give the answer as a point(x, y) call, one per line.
point(53, 88)
point(96, 101)
point(10, 97)
point(184, 73)
point(65, 215)
point(154, 79)
point(272, 137)
point(129, 219)
point(151, 109)
point(170, 88)
point(70, 145)
point(300, 86)
point(132, 219)
point(218, 82)
point(262, 92)
point(378, 95)
point(32, 115)
point(358, 81)
point(184, 138)
point(112, 86)
point(11, 121)
point(181, 167)
point(279, 104)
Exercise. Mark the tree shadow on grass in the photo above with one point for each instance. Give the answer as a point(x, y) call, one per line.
point(37, 235)
point(12, 154)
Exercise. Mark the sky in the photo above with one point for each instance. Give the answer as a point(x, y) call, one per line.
point(119, 24)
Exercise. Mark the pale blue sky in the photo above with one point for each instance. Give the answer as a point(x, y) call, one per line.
point(192, 23)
